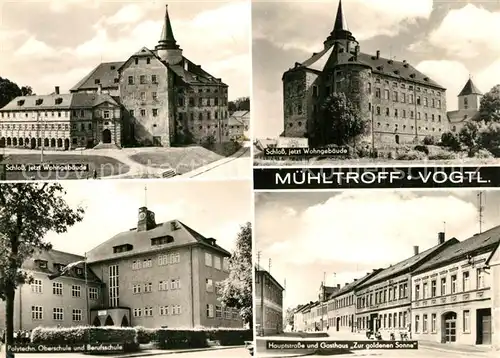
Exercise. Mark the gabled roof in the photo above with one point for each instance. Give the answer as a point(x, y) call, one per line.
point(463, 115)
point(263, 271)
point(469, 88)
point(141, 241)
point(232, 121)
point(66, 101)
point(485, 241)
point(62, 258)
point(349, 287)
point(241, 114)
point(106, 73)
point(408, 264)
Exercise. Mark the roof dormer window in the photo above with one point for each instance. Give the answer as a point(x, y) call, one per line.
point(42, 264)
point(59, 267)
point(58, 100)
point(20, 102)
point(122, 248)
point(174, 226)
point(39, 101)
point(162, 240)
point(113, 67)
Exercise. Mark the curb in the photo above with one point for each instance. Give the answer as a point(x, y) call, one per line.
point(150, 354)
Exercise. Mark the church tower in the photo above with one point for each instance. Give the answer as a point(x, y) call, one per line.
point(340, 35)
point(470, 97)
point(168, 49)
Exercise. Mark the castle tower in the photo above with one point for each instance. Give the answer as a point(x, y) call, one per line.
point(168, 49)
point(470, 97)
point(340, 35)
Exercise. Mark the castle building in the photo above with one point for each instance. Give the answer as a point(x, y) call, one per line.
point(154, 275)
point(268, 302)
point(400, 104)
point(163, 99)
point(469, 100)
point(453, 293)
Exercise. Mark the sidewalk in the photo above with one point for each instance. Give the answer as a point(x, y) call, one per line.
point(459, 348)
point(157, 352)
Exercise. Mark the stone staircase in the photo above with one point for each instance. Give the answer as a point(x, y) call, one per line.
point(106, 146)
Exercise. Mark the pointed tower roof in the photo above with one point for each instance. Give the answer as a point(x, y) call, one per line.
point(469, 88)
point(167, 39)
point(340, 31)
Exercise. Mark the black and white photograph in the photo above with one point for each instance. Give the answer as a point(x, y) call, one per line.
point(95, 89)
point(388, 268)
point(346, 82)
point(131, 269)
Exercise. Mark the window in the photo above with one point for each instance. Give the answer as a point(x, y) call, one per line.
point(433, 288)
point(130, 80)
point(114, 289)
point(143, 112)
point(480, 278)
point(466, 103)
point(209, 285)
point(417, 324)
point(210, 311)
point(154, 95)
point(163, 286)
point(93, 293)
point(163, 310)
point(77, 315)
point(155, 112)
point(386, 94)
point(453, 284)
point(147, 263)
point(136, 265)
point(148, 311)
point(217, 263)
point(176, 309)
point(424, 323)
point(76, 291)
point(142, 79)
point(443, 286)
point(208, 259)
point(58, 314)
point(143, 96)
point(136, 288)
point(377, 92)
point(106, 114)
point(465, 281)
point(36, 313)
point(57, 288)
point(387, 112)
point(148, 61)
point(137, 312)
point(218, 312)
point(378, 111)
point(36, 286)
point(433, 323)
point(466, 322)
point(417, 292)
point(136, 61)
point(148, 287)
point(225, 264)
point(154, 79)
point(395, 96)
point(175, 284)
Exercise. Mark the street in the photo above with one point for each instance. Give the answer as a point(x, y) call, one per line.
point(216, 353)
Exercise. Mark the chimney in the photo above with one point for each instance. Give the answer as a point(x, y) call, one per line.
point(99, 88)
point(441, 238)
point(355, 279)
point(378, 54)
point(346, 283)
point(415, 250)
point(338, 285)
point(57, 89)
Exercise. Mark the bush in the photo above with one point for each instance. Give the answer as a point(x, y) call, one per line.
point(429, 140)
point(483, 154)
point(443, 155)
point(422, 148)
point(87, 335)
point(146, 335)
point(451, 141)
point(198, 338)
point(411, 155)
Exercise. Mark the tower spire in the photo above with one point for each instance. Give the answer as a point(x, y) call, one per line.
point(167, 39)
point(339, 20)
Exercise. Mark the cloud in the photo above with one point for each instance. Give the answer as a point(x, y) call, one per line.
point(466, 32)
point(131, 13)
point(35, 48)
point(62, 6)
point(368, 18)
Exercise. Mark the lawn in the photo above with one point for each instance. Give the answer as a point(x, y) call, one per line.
point(104, 166)
point(183, 160)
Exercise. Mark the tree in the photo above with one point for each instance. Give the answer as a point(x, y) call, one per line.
point(451, 141)
point(341, 120)
point(489, 138)
point(489, 109)
point(8, 91)
point(240, 104)
point(29, 212)
point(469, 136)
point(27, 91)
point(236, 290)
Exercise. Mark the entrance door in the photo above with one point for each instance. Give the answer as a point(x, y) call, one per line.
point(106, 136)
point(450, 327)
point(484, 326)
point(338, 323)
point(396, 137)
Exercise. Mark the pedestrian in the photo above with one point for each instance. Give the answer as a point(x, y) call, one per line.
point(95, 174)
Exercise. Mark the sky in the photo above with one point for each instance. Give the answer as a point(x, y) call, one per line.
point(340, 236)
point(48, 43)
point(448, 40)
point(112, 207)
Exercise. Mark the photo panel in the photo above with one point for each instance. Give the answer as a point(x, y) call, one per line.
point(374, 82)
point(149, 269)
point(391, 273)
point(125, 89)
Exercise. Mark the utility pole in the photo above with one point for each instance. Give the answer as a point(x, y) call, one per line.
point(480, 210)
point(258, 259)
point(145, 195)
point(269, 270)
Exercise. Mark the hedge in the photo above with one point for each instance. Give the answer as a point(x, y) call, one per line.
point(198, 338)
point(87, 335)
point(146, 335)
